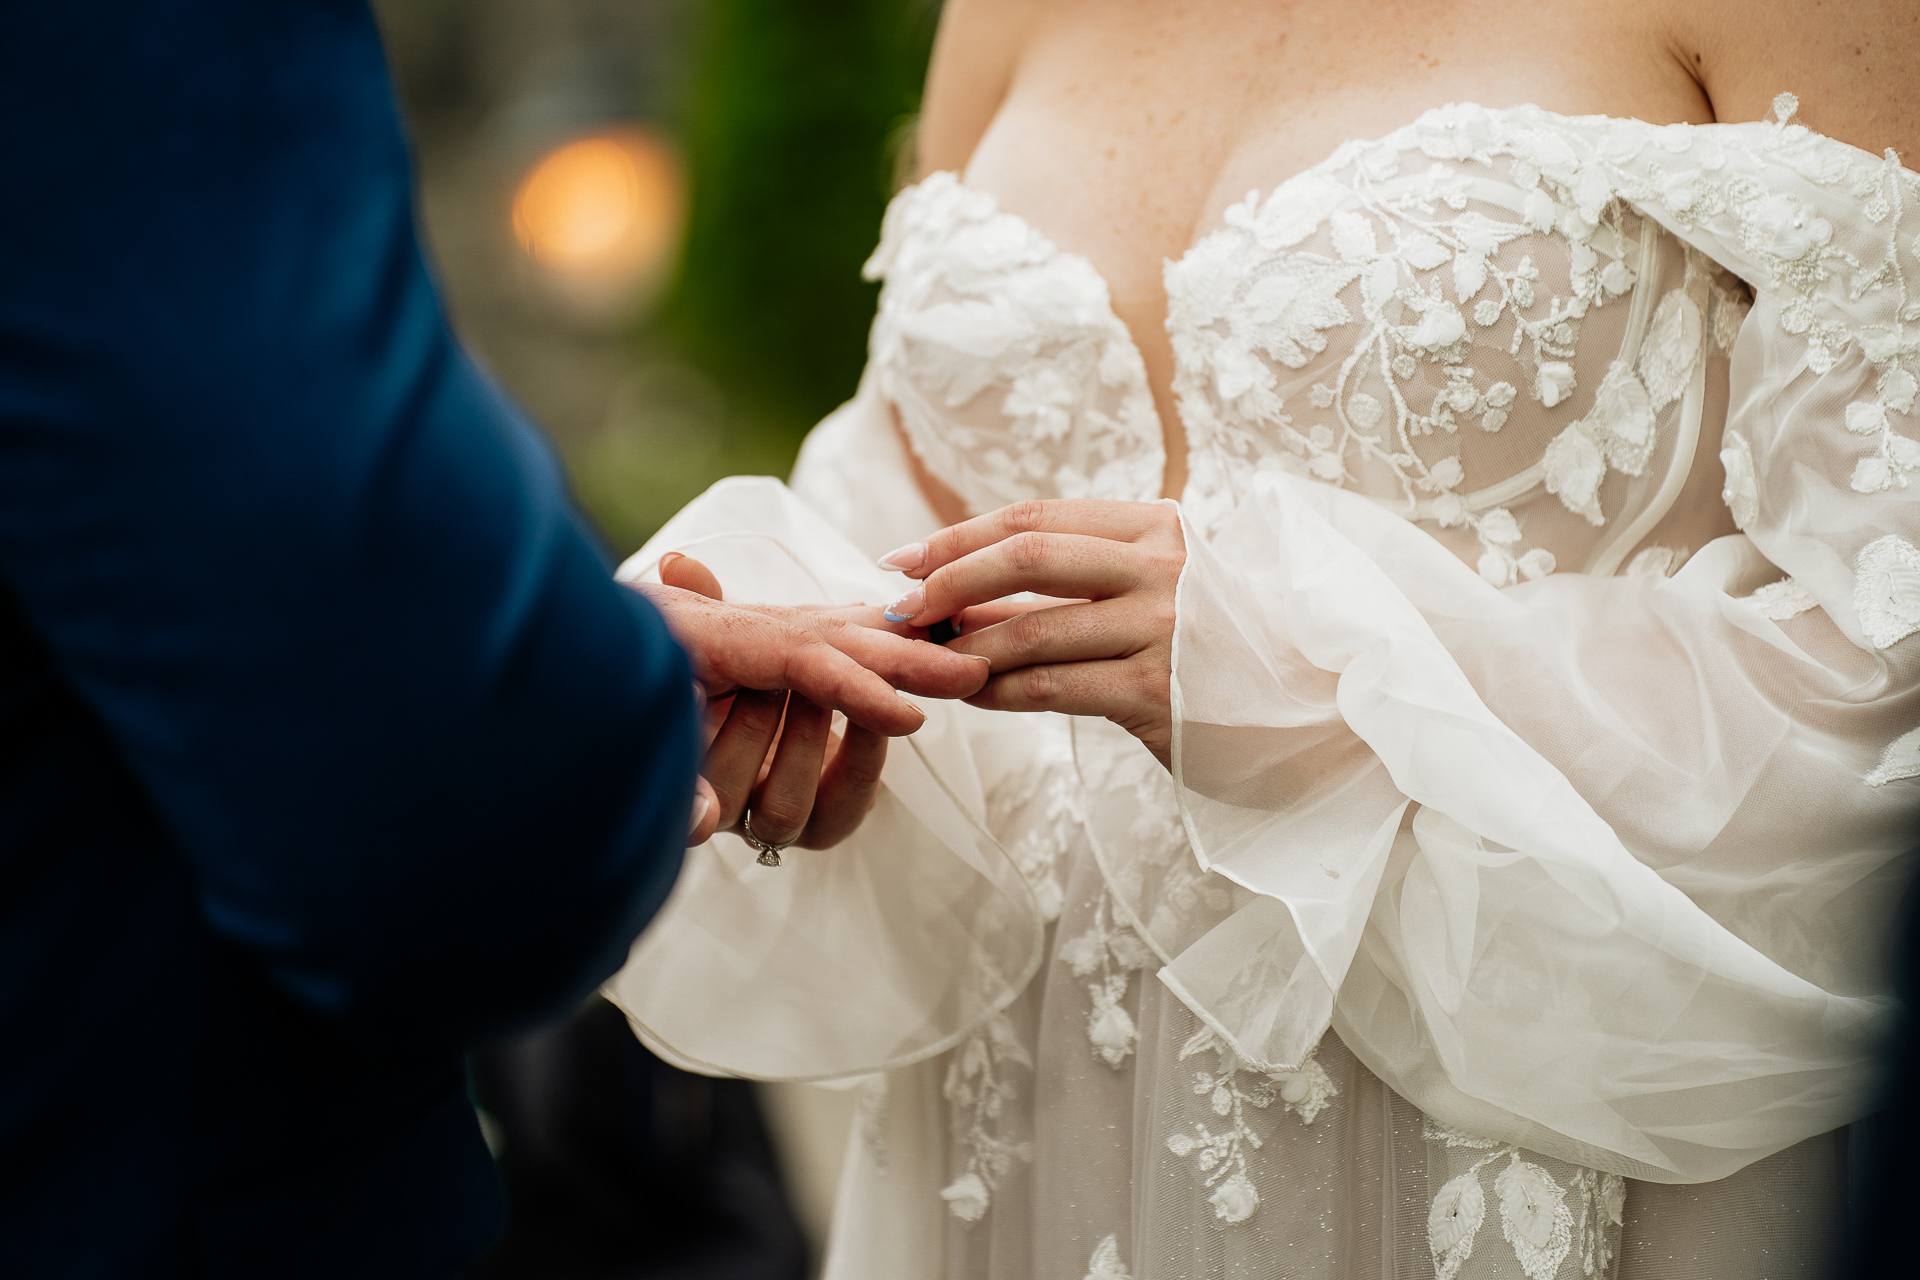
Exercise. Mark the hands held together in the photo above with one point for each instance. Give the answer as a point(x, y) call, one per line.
point(1099, 644)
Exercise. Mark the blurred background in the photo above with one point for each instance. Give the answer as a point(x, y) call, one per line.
point(648, 219)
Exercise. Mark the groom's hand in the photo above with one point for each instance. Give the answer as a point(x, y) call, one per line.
point(774, 754)
point(829, 660)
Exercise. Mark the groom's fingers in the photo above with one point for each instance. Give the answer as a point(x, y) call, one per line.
point(913, 665)
point(678, 569)
point(848, 787)
point(738, 750)
point(829, 661)
point(705, 820)
point(784, 801)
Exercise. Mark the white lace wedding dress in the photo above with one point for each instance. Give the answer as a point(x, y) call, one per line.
point(1515, 904)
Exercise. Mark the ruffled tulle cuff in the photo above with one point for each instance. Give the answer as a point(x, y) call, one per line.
point(879, 952)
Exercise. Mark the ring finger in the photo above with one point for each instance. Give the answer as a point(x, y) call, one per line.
point(1059, 633)
point(739, 751)
point(783, 802)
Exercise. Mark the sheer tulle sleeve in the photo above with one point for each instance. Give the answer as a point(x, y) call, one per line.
point(891, 946)
point(1597, 865)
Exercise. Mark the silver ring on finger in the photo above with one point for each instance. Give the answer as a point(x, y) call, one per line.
point(769, 851)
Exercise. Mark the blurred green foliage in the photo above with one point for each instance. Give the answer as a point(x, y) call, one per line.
point(791, 120)
point(787, 129)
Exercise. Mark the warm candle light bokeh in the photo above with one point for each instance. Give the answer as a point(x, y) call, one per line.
point(602, 211)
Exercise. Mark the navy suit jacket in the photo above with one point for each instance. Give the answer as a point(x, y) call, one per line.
point(327, 744)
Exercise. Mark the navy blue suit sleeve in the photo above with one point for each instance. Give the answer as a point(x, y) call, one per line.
point(317, 576)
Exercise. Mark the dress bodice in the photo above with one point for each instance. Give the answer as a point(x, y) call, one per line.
point(1461, 321)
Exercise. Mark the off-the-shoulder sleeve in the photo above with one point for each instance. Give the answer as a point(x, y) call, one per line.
point(1632, 915)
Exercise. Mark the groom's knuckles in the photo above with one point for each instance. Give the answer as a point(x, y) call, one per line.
point(832, 679)
point(916, 666)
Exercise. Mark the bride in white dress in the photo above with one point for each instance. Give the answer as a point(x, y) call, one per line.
point(1457, 836)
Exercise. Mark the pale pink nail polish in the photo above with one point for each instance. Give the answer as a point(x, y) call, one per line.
point(906, 559)
point(908, 606)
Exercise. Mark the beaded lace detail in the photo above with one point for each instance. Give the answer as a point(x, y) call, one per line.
point(1012, 375)
point(1474, 320)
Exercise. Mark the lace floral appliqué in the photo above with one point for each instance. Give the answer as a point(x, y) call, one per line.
point(977, 1085)
point(1115, 953)
point(1886, 591)
point(1536, 1219)
point(1221, 1151)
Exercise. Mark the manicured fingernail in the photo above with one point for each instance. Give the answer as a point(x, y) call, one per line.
point(911, 556)
point(908, 606)
point(917, 711)
point(700, 806)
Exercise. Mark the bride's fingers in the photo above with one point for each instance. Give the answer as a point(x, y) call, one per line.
point(1092, 517)
point(1063, 633)
point(683, 571)
point(981, 616)
point(848, 787)
point(1113, 689)
point(738, 750)
point(784, 800)
point(1050, 563)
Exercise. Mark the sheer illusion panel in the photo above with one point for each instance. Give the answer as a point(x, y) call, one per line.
point(1634, 918)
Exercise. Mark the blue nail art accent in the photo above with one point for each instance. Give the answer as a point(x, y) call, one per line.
point(891, 616)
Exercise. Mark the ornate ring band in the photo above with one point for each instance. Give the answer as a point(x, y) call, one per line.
point(769, 852)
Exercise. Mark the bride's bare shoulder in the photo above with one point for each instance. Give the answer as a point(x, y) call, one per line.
point(1854, 65)
point(974, 57)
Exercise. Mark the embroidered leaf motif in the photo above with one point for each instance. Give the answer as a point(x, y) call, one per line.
point(1783, 599)
point(1621, 420)
point(1453, 1221)
point(1670, 349)
point(1434, 1131)
point(1575, 466)
point(1534, 1217)
point(1901, 759)
point(1105, 1263)
point(1886, 592)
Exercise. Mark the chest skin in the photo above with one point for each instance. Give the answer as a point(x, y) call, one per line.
point(1129, 126)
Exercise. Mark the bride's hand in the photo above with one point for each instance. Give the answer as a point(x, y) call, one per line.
point(1108, 653)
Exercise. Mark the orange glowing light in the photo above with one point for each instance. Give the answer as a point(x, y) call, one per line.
point(604, 208)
